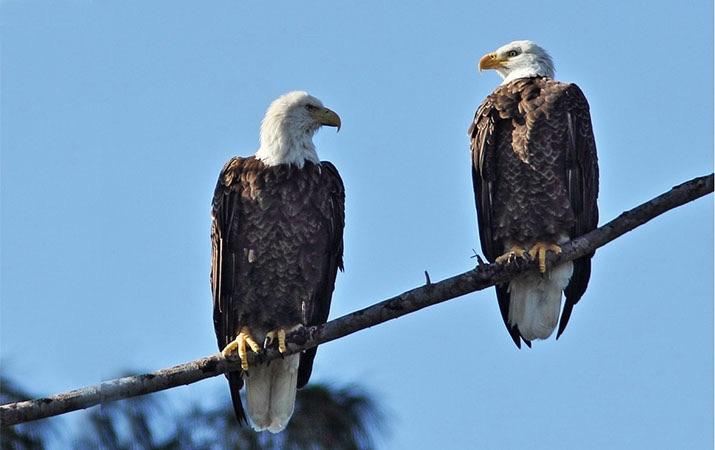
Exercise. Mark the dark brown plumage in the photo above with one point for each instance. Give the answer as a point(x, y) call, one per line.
point(277, 241)
point(535, 175)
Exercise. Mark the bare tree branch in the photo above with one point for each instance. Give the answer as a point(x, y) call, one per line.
point(430, 294)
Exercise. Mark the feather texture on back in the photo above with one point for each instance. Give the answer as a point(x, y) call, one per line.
point(535, 176)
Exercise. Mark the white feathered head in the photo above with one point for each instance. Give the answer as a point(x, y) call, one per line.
point(288, 127)
point(518, 59)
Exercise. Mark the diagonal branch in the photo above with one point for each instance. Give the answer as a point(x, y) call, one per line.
point(485, 275)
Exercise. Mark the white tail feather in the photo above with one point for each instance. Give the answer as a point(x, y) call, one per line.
point(258, 396)
point(271, 392)
point(535, 301)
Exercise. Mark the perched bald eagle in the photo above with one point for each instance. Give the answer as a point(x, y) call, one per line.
point(535, 176)
point(277, 241)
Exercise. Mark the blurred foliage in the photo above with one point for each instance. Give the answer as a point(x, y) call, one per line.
point(23, 436)
point(325, 417)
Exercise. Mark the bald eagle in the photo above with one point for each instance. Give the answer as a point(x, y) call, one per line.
point(277, 243)
point(535, 176)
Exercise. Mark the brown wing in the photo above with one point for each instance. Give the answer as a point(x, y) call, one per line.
point(582, 176)
point(333, 212)
point(225, 219)
point(483, 135)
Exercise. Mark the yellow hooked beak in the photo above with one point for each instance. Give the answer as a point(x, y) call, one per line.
point(325, 116)
point(491, 61)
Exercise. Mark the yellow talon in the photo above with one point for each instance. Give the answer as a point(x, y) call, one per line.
point(243, 339)
point(282, 341)
point(250, 341)
point(233, 345)
point(539, 251)
point(514, 252)
point(281, 335)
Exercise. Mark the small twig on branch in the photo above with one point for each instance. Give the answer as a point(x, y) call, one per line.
point(480, 261)
point(430, 294)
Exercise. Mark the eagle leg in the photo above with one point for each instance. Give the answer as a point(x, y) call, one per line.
point(539, 250)
point(280, 334)
point(242, 341)
point(514, 252)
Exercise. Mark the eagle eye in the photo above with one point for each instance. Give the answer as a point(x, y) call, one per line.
point(310, 107)
point(512, 53)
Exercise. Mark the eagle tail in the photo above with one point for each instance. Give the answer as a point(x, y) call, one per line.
point(235, 384)
point(271, 390)
point(535, 301)
point(503, 300)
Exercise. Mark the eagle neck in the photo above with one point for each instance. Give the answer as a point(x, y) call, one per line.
point(283, 145)
point(522, 73)
point(539, 69)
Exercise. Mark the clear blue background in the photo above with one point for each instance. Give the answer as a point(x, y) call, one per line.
point(117, 117)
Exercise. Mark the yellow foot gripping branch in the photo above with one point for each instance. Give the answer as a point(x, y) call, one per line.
point(514, 252)
point(539, 251)
point(280, 335)
point(243, 340)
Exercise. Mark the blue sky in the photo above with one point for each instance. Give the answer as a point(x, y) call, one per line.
point(117, 117)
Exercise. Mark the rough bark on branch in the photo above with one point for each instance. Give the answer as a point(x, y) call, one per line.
point(483, 276)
